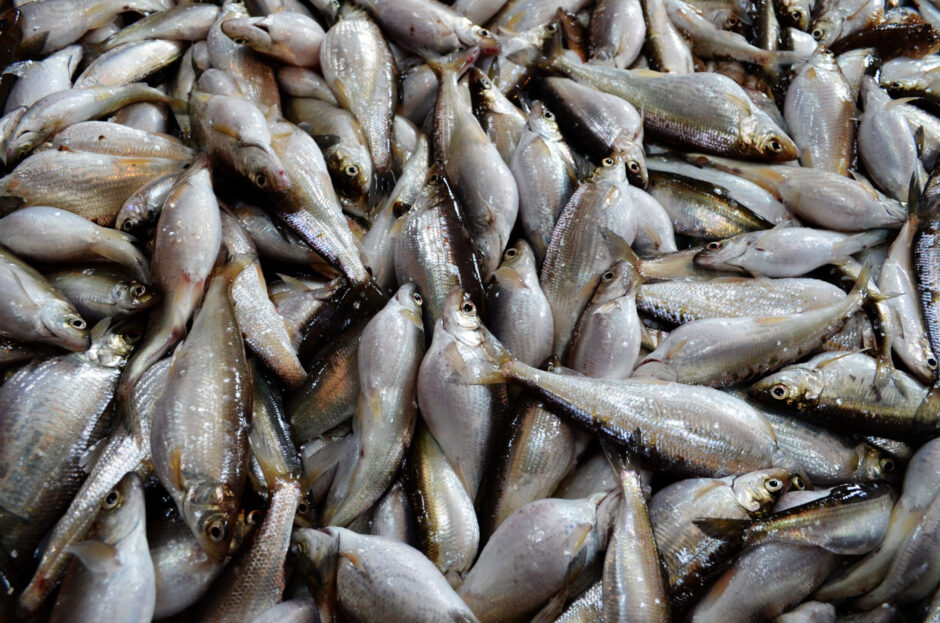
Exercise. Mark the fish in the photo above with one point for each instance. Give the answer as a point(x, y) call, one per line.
point(99, 293)
point(290, 37)
point(429, 26)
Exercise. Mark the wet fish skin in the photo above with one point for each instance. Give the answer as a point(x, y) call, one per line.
point(546, 176)
point(182, 570)
point(91, 185)
point(500, 119)
point(113, 575)
point(57, 111)
point(429, 26)
point(390, 350)
point(358, 66)
point(518, 313)
point(131, 62)
point(393, 516)
point(25, 233)
point(839, 389)
point(447, 522)
point(37, 79)
point(466, 438)
point(276, 244)
point(290, 37)
point(665, 47)
point(366, 563)
point(142, 209)
point(617, 32)
point(119, 140)
point(188, 22)
point(606, 341)
point(103, 293)
point(49, 317)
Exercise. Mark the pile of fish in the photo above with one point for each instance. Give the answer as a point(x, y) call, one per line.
point(481, 311)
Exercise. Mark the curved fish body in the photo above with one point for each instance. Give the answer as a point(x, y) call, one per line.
point(251, 73)
point(598, 123)
point(691, 557)
point(598, 221)
point(37, 79)
point(434, 249)
point(518, 313)
point(311, 208)
point(617, 32)
point(276, 244)
point(537, 453)
point(102, 292)
point(678, 302)
point(290, 37)
point(264, 329)
point(112, 577)
point(701, 110)
point(53, 411)
point(534, 554)
point(393, 516)
point(842, 389)
point(370, 570)
point(447, 522)
point(546, 175)
point(186, 22)
point(654, 231)
point(501, 120)
point(199, 437)
point(26, 232)
point(821, 115)
point(33, 310)
point(724, 351)
point(606, 341)
point(463, 418)
point(91, 185)
point(59, 110)
point(390, 351)
point(666, 48)
point(360, 69)
point(785, 251)
point(131, 62)
point(142, 209)
point(429, 26)
point(482, 181)
point(186, 244)
point(104, 137)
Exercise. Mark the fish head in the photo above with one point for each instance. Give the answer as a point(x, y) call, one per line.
point(410, 302)
point(795, 12)
point(306, 515)
point(460, 318)
point(131, 296)
point(873, 464)
point(826, 31)
point(481, 88)
point(795, 386)
point(542, 121)
point(350, 177)
point(121, 511)
point(64, 326)
point(720, 254)
point(484, 39)
point(758, 491)
point(318, 553)
point(262, 167)
point(634, 159)
point(112, 345)
point(518, 258)
point(22, 143)
point(618, 281)
point(762, 138)
point(210, 510)
point(250, 31)
point(610, 170)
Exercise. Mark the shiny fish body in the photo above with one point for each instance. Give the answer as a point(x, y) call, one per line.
point(102, 293)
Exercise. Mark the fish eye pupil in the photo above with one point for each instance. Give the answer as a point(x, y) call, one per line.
point(774, 484)
point(112, 500)
point(468, 308)
point(552, 27)
point(77, 323)
point(775, 145)
point(139, 290)
point(931, 363)
point(302, 507)
point(261, 181)
point(779, 391)
point(239, 40)
point(549, 114)
point(608, 162)
point(817, 34)
point(887, 466)
point(511, 253)
point(417, 298)
point(713, 246)
point(634, 167)
point(484, 33)
point(352, 170)
point(798, 483)
point(608, 275)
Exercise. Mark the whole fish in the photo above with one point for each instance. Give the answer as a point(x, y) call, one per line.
point(843, 389)
point(429, 26)
point(112, 576)
point(33, 310)
point(206, 479)
point(358, 66)
point(102, 292)
point(617, 32)
point(390, 350)
point(290, 37)
point(76, 240)
point(118, 140)
point(518, 313)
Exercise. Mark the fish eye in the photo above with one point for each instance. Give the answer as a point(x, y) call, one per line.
point(713, 245)
point(798, 483)
point(417, 298)
point(549, 115)
point(887, 465)
point(112, 500)
point(261, 181)
point(254, 517)
point(239, 41)
point(484, 32)
point(510, 253)
point(607, 162)
point(796, 14)
point(302, 508)
point(775, 145)
point(352, 170)
point(931, 363)
point(552, 28)
point(139, 290)
point(133, 336)
point(634, 166)
point(773, 485)
point(216, 529)
point(436, 179)
point(468, 308)
point(77, 323)
point(127, 226)
point(780, 391)
point(608, 275)
point(732, 21)
point(817, 34)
